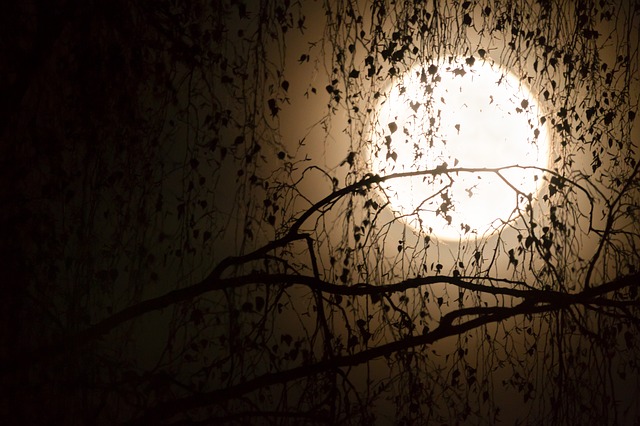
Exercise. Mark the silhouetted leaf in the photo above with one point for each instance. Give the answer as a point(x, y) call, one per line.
point(273, 107)
point(608, 117)
point(350, 159)
point(286, 339)
point(528, 241)
point(459, 72)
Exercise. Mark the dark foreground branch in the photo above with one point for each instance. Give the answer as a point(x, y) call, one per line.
point(213, 283)
point(451, 324)
point(167, 410)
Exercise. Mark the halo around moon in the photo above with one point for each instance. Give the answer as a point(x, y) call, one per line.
point(459, 113)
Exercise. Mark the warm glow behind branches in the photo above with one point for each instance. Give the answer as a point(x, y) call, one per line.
point(463, 113)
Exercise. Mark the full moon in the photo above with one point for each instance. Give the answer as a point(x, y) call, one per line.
point(464, 114)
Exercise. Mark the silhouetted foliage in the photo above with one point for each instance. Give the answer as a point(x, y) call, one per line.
point(194, 233)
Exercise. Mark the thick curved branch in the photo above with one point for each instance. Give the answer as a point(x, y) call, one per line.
point(370, 180)
point(165, 411)
point(531, 297)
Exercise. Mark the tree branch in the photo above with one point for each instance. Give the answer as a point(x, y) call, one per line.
point(169, 409)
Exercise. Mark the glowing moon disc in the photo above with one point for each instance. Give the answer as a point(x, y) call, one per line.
point(468, 114)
